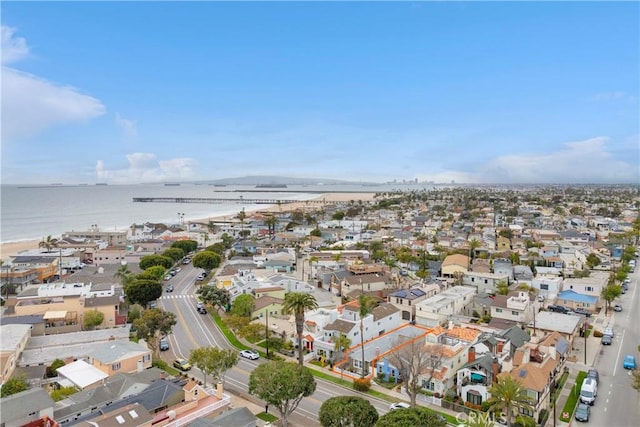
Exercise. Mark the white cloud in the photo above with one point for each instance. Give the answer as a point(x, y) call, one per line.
point(144, 167)
point(587, 161)
point(616, 95)
point(31, 104)
point(127, 126)
point(13, 48)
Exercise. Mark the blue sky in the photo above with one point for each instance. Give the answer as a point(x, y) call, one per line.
point(495, 92)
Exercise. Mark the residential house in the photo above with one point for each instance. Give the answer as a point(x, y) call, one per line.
point(591, 286)
point(449, 347)
point(13, 342)
point(455, 265)
point(503, 267)
point(80, 374)
point(437, 310)
point(42, 268)
point(269, 291)
point(406, 300)
point(476, 376)
point(515, 307)
point(567, 325)
point(573, 300)
point(267, 306)
point(363, 282)
point(120, 356)
point(547, 286)
point(26, 407)
point(503, 244)
point(484, 282)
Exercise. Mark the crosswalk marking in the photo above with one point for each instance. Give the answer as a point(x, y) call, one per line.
point(176, 296)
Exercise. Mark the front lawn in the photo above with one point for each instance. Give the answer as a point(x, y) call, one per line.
point(572, 400)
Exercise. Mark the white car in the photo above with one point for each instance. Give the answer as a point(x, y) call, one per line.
point(399, 405)
point(250, 354)
point(608, 331)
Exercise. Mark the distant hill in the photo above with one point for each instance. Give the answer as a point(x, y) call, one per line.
point(277, 180)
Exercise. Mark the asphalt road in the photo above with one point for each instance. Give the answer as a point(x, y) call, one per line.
point(196, 330)
point(618, 404)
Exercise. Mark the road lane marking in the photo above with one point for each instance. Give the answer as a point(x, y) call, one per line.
point(615, 368)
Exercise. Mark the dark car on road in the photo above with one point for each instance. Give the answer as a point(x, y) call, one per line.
point(558, 309)
point(582, 312)
point(593, 373)
point(582, 413)
point(607, 340)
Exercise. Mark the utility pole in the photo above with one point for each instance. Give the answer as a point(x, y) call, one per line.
point(266, 333)
point(586, 328)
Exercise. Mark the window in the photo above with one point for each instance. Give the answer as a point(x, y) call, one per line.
point(588, 288)
point(498, 310)
point(515, 313)
point(525, 411)
point(146, 358)
point(474, 397)
point(544, 287)
point(115, 366)
point(428, 385)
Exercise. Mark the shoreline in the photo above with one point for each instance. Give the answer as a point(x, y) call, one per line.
point(13, 248)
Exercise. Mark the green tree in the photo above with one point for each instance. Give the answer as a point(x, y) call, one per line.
point(14, 385)
point(347, 411)
point(252, 332)
point(610, 293)
point(271, 222)
point(123, 275)
point(156, 272)
point(153, 324)
point(213, 361)
point(207, 260)
point(52, 370)
point(143, 291)
point(315, 232)
point(415, 416)
point(338, 216)
point(63, 393)
point(214, 296)
point(227, 240)
point(283, 385)
point(187, 246)
point(507, 394)
point(341, 344)
point(502, 287)
point(93, 318)
point(297, 303)
point(176, 254)
point(48, 243)
point(593, 260)
point(366, 304)
point(237, 323)
point(218, 248)
point(152, 260)
point(243, 305)
point(135, 311)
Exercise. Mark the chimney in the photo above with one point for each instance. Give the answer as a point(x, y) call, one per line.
point(552, 351)
point(219, 390)
point(495, 368)
point(471, 356)
point(500, 347)
point(526, 355)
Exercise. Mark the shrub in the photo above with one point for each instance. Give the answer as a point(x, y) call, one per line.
point(362, 384)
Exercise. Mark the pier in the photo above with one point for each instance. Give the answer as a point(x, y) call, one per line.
point(214, 200)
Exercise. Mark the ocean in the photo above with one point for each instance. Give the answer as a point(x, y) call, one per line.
point(30, 212)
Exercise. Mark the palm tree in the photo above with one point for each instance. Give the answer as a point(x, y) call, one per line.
point(342, 343)
point(48, 243)
point(271, 223)
point(123, 275)
point(242, 216)
point(507, 394)
point(366, 305)
point(473, 245)
point(297, 303)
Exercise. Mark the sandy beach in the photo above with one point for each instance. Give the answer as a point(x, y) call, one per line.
point(13, 248)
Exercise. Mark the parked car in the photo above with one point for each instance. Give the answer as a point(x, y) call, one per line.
point(167, 277)
point(589, 391)
point(173, 272)
point(617, 307)
point(593, 373)
point(558, 309)
point(182, 364)
point(608, 331)
point(582, 413)
point(606, 340)
point(164, 344)
point(250, 354)
point(202, 310)
point(169, 288)
point(201, 276)
point(399, 405)
point(629, 362)
point(582, 312)
point(186, 261)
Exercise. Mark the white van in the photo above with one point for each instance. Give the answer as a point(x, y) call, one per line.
point(589, 391)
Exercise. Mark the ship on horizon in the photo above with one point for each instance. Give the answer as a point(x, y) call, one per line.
point(271, 186)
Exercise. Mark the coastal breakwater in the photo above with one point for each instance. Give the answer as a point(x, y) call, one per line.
point(213, 200)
